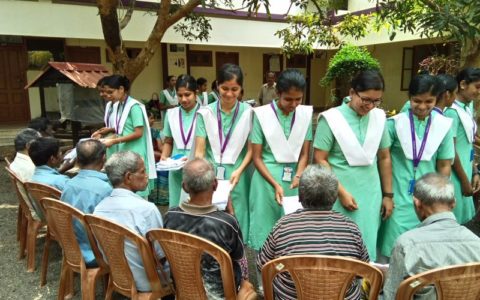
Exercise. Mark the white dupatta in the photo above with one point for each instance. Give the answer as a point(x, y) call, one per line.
point(439, 128)
point(129, 103)
point(109, 117)
point(203, 102)
point(238, 137)
point(355, 153)
point(284, 151)
point(174, 121)
point(173, 100)
point(468, 122)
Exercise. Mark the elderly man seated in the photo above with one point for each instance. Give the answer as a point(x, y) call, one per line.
point(324, 231)
point(22, 165)
point(126, 172)
point(45, 154)
point(87, 188)
point(438, 241)
point(199, 217)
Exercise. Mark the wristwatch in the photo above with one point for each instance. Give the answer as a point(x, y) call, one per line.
point(388, 195)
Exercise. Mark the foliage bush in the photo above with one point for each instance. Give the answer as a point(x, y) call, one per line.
point(38, 59)
point(348, 61)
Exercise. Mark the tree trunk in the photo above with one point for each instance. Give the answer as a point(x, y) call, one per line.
point(122, 64)
point(470, 55)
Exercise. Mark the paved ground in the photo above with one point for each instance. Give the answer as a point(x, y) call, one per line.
point(15, 282)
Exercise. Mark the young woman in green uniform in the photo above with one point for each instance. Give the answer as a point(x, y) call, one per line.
point(132, 127)
point(178, 130)
point(354, 141)
point(222, 138)
point(281, 136)
point(465, 177)
point(421, 143)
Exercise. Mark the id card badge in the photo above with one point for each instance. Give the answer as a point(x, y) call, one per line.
point(221, 173)
point(287, 174)
point(472, 155)
point(411, 186)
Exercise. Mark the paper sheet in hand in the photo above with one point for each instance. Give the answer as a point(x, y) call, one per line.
point(291, 204)
point(171, 164)
point(72, 155)
point(220, 197)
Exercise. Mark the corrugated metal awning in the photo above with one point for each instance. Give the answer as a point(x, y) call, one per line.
point(84, 75)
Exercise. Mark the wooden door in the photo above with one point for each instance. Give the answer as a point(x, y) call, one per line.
point(272, 63)
point(14, 104)
point(222, 58)
point(83, 54)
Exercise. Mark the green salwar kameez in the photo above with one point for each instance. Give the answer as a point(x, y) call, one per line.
point(362, 182)
point(264, 209)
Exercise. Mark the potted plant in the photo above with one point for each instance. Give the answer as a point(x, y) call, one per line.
point(344, 65)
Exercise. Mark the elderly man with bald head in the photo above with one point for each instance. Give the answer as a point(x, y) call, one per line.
point(200, 217)
point(87, 189)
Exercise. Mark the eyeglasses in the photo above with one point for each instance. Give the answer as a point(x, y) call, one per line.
point(366, 100)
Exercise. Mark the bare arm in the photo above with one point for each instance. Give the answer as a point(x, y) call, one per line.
point(385, 169)
point(167, 148)
point(200, 145)
point(262, 169)
point(444, 167)
point(135, 135)
point(460, 172)
point(302, 164)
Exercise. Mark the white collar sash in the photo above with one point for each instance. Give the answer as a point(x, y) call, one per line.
point(204, 101)
point(355, 153)
point(173, 100)
point(175, 126)
point(284, 151)
point(439, 128)
point(468, 122)
point(238, 136)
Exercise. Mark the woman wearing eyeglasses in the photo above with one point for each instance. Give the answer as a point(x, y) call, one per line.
point(421, 143)
point(352, 139)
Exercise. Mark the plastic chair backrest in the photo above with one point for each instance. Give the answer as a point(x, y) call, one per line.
point(60, 216)
point(37, 191)
point(451, 283)
point(184, 252)
point(320, 276)
point(111, 238)
point(22, 195)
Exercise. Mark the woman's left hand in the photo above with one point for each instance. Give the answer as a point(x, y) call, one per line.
point(387, 207)
point(295, 182)
point(476, 183)
point(108, 142)
point(235, 178)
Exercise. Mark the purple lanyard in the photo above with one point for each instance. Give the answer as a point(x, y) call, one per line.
point(117, 119)
point(189, 135)
point(438, 110)
point(276, 114)
point(474, 129)
point(418, 156)
point(223, 145)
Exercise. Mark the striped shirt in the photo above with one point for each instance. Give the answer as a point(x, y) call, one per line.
point(312, 231)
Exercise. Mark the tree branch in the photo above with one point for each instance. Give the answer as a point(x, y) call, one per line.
point(183, 11)
point(128, 16)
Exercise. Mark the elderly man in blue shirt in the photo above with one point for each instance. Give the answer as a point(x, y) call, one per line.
point(126, 172)
point(45, 154)
point(87, 189)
